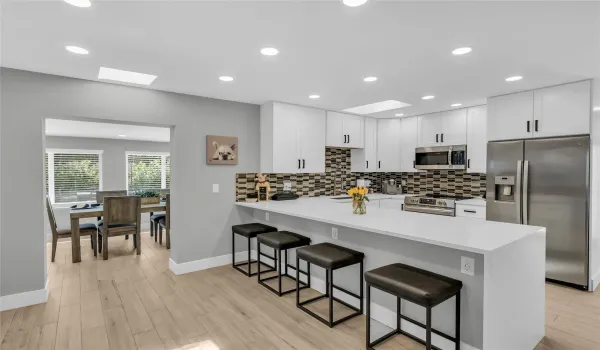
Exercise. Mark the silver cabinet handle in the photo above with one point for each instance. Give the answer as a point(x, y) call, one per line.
point(526, 192)
point(518, 192)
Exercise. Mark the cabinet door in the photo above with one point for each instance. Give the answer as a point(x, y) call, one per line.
point(335, 130)
point(429, 130)
point(477, 139)
point(562, 110)
point(509, 116)
point(391, 204)
point(370, 144)
point(454, 127)
point(354, 130)
point(388, 145)
point(286, 152)
point(408, 143)
point(311, 124)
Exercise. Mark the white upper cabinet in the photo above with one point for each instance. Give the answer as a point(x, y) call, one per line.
point(454, 127)
point(408, 142)
point(554, 111)
point(562, 110)
point(389, 156)
point(365, 159)
point(477, 139)
point(345, 130)
point(292, 138)
point(510, 116)
point(443, 128)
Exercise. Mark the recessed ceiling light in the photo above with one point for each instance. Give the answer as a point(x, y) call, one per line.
point(76, 49)
point(370, 79)
point(377, 107)
point(354, 3)
point(79, 3)
point(125, 76)
point(122, 135)
point(428, 97)
point(399, 114)
point(515, 78)
point(226, 79)
point(269, 51)
point(314, 97)
point(456, 105)
point(461, 51)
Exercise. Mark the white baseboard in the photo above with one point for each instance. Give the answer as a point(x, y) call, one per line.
point(595, 281)
point(388, 318)
point(19, 300)
point(208, 263)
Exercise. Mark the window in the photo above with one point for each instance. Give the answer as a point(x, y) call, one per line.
point(73, 176)
point(148, 171)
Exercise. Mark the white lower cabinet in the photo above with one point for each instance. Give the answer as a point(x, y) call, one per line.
point(395, 204)
point(470, 211)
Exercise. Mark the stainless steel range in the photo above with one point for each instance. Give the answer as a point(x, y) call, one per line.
point(432, 204)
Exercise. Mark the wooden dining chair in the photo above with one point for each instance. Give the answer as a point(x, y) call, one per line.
point(155, 218)
point(122, 216)
point(166, 224)
point(84, 230)
point(100, 199)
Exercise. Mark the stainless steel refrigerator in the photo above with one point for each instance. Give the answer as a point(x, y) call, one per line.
point(545, 182)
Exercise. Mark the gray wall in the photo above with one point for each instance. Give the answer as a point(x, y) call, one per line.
point(114, 167)
point(201, 220)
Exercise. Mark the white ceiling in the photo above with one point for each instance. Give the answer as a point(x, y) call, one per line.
point(325, 48)
point(75, 128)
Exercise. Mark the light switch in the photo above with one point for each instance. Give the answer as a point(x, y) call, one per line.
point(215, 188)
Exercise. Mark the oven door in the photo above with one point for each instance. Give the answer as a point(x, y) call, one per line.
point(429, 210)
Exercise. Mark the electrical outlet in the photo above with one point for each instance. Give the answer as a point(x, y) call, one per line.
point(334, 232)
point(215, 188)
point(467, 266)
point(267, 215)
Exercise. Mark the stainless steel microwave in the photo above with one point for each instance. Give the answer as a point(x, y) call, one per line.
point(441, 158)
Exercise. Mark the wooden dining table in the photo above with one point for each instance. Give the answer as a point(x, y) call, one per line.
point(77, 214)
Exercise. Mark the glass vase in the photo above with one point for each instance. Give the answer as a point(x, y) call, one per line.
point(359, 206)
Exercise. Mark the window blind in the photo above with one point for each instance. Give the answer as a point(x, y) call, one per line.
point(168, 171)
point(144, 172)
point(76, 176)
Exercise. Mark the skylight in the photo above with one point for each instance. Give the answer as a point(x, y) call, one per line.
point(377, 107)
point(125, 76)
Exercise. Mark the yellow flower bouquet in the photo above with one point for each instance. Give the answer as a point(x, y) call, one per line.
point(359, 196)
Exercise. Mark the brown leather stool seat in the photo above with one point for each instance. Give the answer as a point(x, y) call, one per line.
point(252, 230)
point(282, 240)
point(330, 257)
point(249, 231)
point(414, 284)
point(417, 286)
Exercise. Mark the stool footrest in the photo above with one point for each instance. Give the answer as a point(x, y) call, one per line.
point(262, 283)
point(433, 330)
point(356, 310)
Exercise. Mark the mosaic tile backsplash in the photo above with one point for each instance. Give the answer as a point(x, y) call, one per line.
point(337, 178)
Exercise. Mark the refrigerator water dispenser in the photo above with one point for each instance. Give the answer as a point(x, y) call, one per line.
point(505, 188)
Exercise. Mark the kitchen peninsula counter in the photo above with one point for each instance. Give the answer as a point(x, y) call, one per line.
point(503, 301)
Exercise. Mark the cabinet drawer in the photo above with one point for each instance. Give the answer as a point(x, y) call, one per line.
point(470, 211)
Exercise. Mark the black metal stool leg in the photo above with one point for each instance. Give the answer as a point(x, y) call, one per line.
point(308, 273)
point(368, 320)
point(457, 335)
point(398, 313)
point(232, 248)
point(361, 287)
point(330, 288)
point(428, 330)
point(249, 260)
point(279, 269)
point(298, 280)
point(258, 258)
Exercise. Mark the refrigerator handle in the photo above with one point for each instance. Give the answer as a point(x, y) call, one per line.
point(525, 192)
point(518, 192)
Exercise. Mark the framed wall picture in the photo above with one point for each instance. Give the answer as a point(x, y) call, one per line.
point(221, 150)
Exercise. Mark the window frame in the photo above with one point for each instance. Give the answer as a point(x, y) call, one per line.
point(163, 166)
point(51, 174)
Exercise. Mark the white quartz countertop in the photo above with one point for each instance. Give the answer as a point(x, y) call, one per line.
point(480, 202)
point(476, 236)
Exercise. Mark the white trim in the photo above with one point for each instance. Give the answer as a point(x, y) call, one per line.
point(73, 151)
point(208, 263)
point(595, 281)
point(14, 301)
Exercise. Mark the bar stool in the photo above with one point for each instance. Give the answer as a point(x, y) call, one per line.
point(249, 231)
point(418, 286)
point(330, 257)
point(282, 240)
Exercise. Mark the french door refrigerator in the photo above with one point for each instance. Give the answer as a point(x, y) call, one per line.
point(545, 182)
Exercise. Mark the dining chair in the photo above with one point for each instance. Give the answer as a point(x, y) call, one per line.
point(122, 216)
point(166, 224)
point(84, 230)
point(155, 218)
point(100, 199)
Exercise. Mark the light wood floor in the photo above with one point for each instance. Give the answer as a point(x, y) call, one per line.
point(135, 302)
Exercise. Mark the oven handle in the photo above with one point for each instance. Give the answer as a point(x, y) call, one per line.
point(429, 210)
